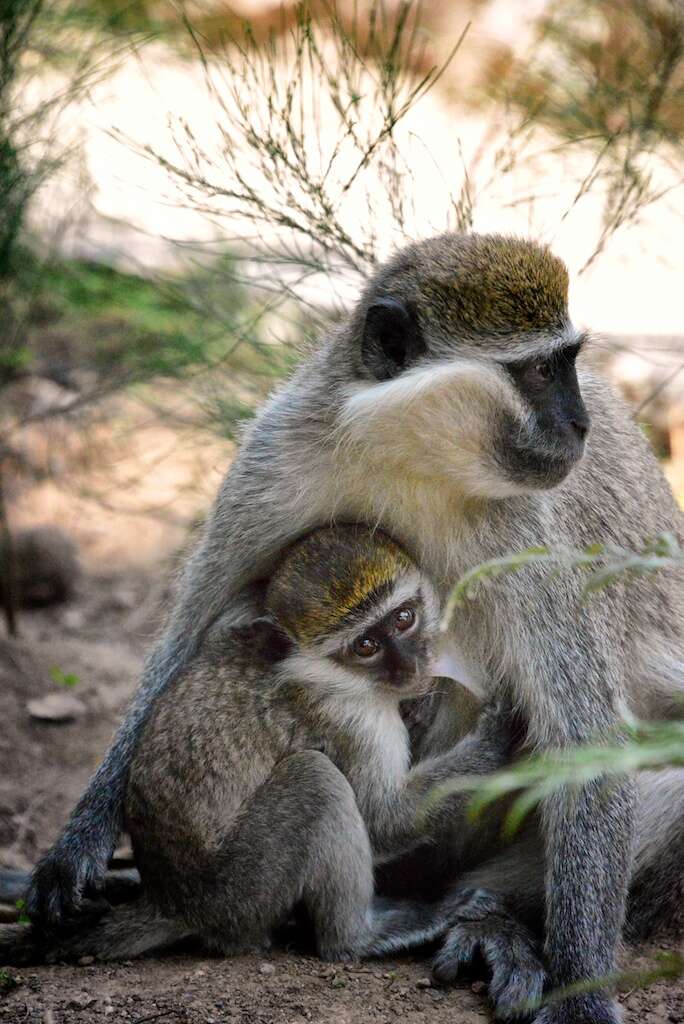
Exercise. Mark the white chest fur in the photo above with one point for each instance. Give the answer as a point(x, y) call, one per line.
point(377, 757)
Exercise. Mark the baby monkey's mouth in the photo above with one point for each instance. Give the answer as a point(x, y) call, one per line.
point(408, 684)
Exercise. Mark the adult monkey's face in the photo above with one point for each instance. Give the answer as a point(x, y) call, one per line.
point(465, 362)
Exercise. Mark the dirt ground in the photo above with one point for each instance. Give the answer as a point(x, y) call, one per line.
point(100, 637)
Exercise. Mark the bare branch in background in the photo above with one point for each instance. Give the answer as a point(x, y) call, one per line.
point(8, 589)
point(610, 77)
point(306, 135)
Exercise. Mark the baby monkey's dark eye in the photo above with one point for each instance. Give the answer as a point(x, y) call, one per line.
point(365, 646)
point(404, 619)
point(544, 370)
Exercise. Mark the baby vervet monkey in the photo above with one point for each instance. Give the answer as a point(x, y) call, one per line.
point(276, 769)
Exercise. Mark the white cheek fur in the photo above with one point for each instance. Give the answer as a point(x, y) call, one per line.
point(365, 714)
point(434, 422)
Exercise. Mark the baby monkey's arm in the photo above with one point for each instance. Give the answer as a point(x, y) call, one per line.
point(417, 811)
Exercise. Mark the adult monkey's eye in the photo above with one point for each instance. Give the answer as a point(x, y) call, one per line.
point(404, 619)
point(365, 646)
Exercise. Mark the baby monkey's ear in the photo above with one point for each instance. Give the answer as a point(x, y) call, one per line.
point(392, 339)
point(270, 640)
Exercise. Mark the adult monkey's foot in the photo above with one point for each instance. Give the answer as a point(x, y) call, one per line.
point(480, 923)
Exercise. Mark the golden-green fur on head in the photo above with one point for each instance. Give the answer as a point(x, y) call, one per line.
point(328, 575)
point(478, 287)
point(505, 285)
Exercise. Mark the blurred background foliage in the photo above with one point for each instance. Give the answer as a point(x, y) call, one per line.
point(309, 176)
point(608, 76)
point(603, 71)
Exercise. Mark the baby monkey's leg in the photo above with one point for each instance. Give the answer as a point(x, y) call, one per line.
point(300, 838)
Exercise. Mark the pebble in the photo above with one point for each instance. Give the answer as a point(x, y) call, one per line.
point(73, 619)
point(266, 968)
point(56, 707)
point(424, 983)
point(81, 1001)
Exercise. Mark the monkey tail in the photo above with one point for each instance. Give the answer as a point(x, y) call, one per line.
point(401, 924)
point(124, 932)
point(13, 885)
point(120, 886)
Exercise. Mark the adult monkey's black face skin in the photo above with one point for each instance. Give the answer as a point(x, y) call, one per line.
point(536, 441)
point(542, 451)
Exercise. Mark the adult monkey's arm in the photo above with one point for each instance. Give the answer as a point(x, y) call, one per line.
point(573, 689)
point(74, 868)
point(588, 834)
point(257, 512)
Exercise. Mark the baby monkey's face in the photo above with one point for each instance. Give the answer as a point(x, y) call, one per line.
point(394, 650)
point(388, 642)
point(359, 615)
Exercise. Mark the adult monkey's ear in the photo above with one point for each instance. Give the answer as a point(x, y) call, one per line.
point(391, 339)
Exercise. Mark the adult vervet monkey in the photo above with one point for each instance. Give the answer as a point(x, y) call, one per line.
point(447, 408)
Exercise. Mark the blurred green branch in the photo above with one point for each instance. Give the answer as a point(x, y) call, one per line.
point(603, 563)
point(667, 966)
point(639, 746)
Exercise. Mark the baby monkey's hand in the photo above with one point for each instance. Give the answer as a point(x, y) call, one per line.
point(500, 729)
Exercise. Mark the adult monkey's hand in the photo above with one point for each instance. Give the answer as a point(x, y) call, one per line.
point(66, 883)
point(69, 879)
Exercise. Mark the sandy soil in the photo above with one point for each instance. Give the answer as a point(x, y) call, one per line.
point(100, 638)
